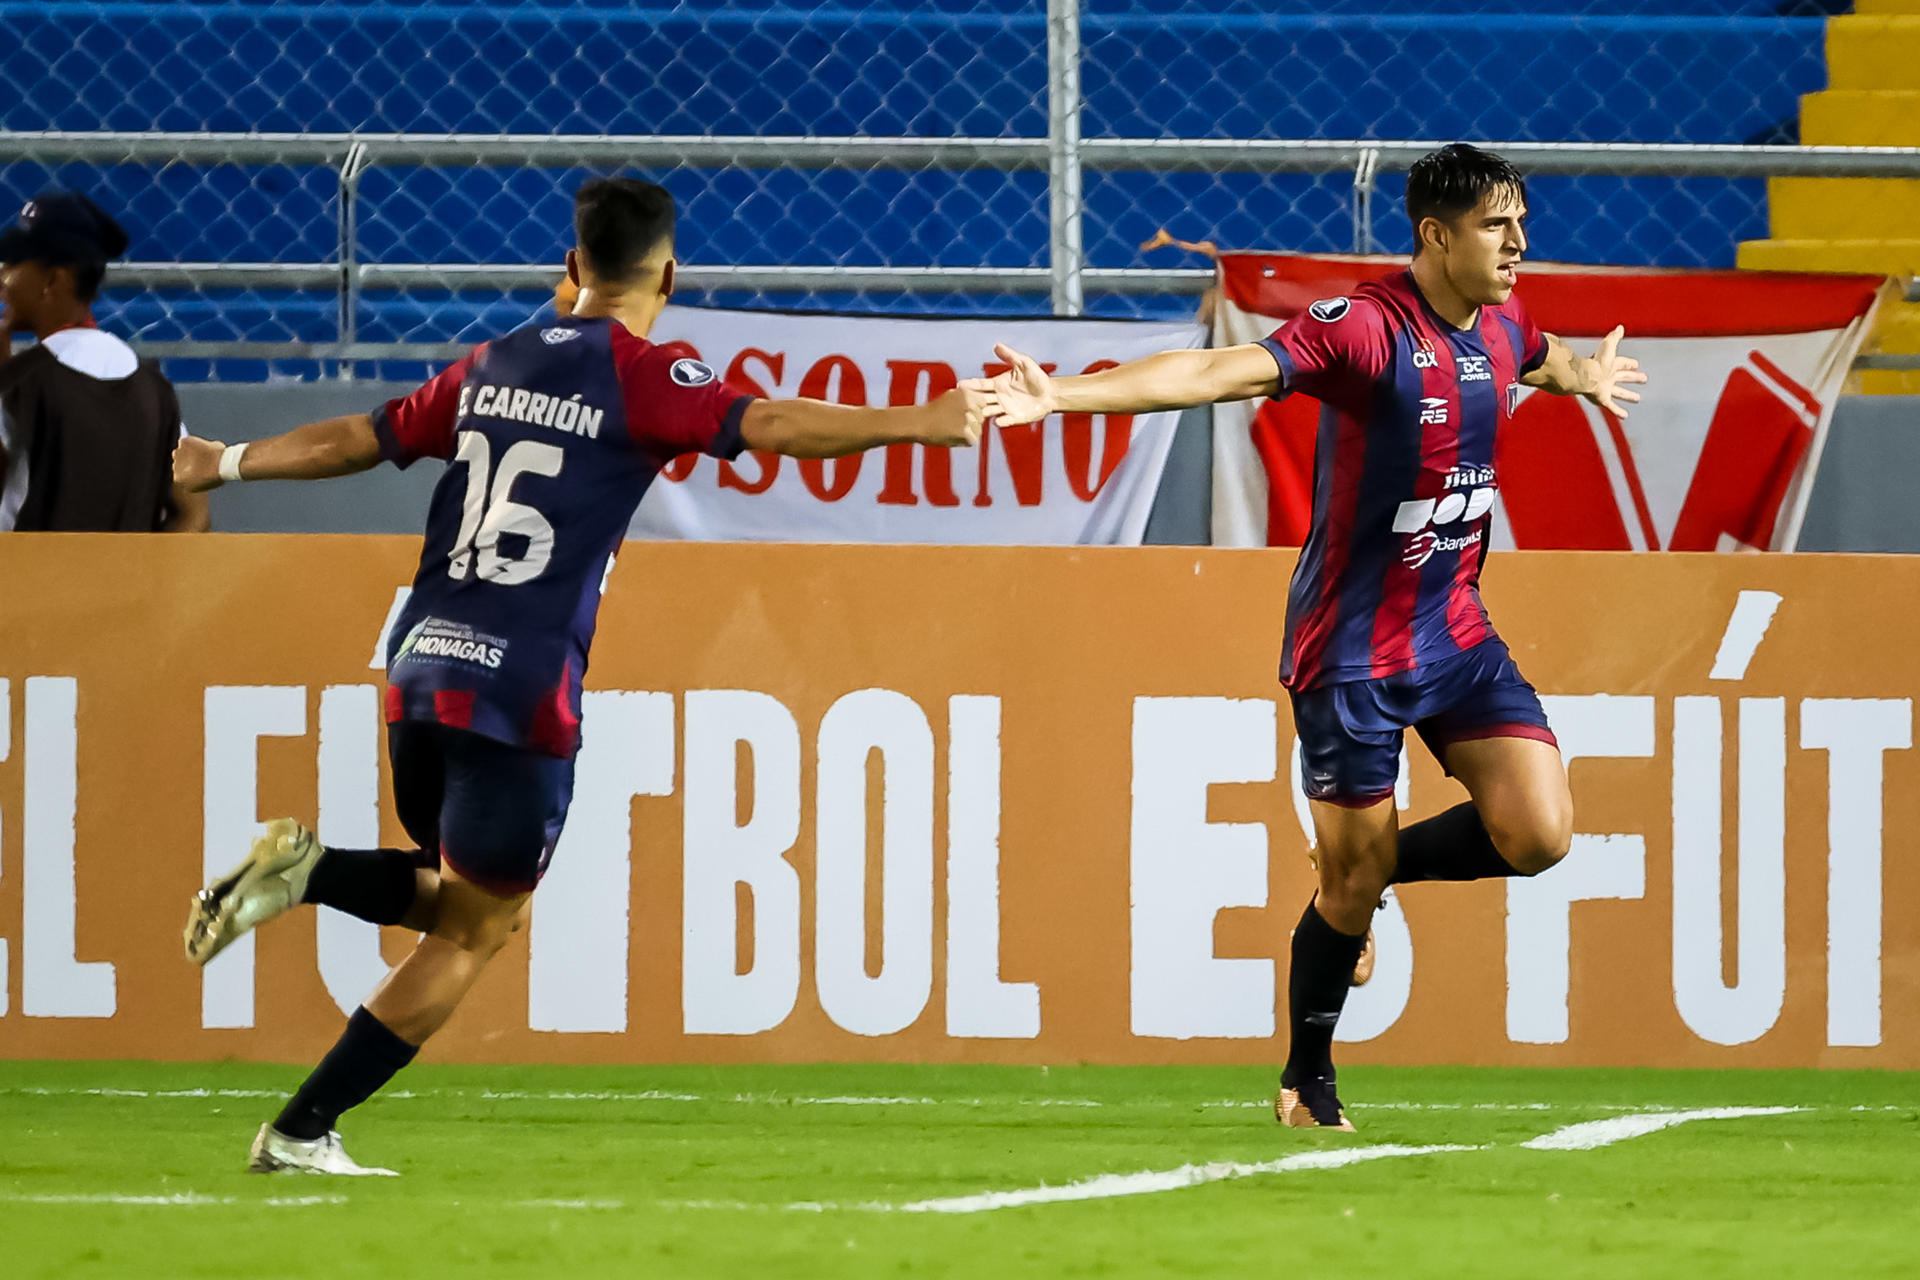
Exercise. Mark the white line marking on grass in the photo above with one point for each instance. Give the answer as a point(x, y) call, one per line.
point(1593, 1134)
point(853, 1100)
point(1266, 1104)
point(1108, 1185)
point(597, 1095)
point(40, 1091)
point(183, 1199)
point(775, 1099)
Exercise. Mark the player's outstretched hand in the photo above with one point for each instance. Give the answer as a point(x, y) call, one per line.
point(960, 417)
point(1025, 390)
point(1612, 372)
point(196, 464)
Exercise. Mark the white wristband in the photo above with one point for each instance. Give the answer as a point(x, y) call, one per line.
point(230, 461)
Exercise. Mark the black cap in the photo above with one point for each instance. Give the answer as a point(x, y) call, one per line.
point(62, 228)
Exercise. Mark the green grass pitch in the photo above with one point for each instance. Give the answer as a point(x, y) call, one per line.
point(133, 1169)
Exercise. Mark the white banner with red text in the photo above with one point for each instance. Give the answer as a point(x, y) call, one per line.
point(1074, 479)
point(1743, 367)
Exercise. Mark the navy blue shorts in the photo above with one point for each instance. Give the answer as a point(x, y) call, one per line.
point(1350, 733)
point(491, 811)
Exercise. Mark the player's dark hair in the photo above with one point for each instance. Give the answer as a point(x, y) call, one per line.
point(617, 222)
point(87, 279)
point(1446, 183)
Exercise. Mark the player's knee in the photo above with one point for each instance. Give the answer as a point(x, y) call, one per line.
point(1537, 847)
point(1352, 881)
point(479, 923)
point(481, 936)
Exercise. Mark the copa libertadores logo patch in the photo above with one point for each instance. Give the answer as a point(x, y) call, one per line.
point(1327, 310)
point(558, 334)
point(690, 373)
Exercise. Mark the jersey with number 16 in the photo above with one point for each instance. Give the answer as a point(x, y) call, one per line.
point(553, 434)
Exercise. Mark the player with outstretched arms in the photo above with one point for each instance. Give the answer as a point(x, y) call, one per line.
point(554, 433)
point(1385, 630)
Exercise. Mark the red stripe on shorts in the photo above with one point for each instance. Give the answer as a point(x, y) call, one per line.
point(453, 707)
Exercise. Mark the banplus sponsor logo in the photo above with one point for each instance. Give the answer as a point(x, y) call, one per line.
point(1423, 546)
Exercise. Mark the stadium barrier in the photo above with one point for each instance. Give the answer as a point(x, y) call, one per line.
point(331, 303)
point(927, 804)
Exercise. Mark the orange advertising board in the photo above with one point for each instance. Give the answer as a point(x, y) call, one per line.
point(932, 804)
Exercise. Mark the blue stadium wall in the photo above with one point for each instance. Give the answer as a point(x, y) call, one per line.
point(1644, 71)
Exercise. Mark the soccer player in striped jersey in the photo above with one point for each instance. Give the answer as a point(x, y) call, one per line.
point(1385, 630)
point(554, 433)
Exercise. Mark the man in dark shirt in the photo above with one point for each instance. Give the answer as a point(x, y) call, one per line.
point(86, 427)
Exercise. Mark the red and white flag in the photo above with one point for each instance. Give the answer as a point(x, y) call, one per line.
point(1744, 368)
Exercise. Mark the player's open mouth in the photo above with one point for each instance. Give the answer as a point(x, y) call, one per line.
point(1510, 272)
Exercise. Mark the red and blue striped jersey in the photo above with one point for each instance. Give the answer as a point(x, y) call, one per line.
point(1403, 484)
point(554, 433)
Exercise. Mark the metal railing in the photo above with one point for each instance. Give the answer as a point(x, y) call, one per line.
point(1066, 278)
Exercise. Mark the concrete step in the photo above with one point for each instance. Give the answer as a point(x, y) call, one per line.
point(1889, 382)
point(1844, 208)
point(1898, 333)
point(1871, 257)
point(1873, 51)
point(1861, 117)
point(1899, 328)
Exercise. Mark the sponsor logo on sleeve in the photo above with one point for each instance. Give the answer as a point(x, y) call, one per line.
point(558, 334)
point(1327, 310)
point(690, 373)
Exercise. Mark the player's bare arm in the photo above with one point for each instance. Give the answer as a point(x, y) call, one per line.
point(316, 451)
point(191, 512)
point(1605, 377)
point(818, 429)
point(1168, 380)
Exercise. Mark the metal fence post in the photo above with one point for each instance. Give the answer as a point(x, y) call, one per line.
point(1365, 177)
point(351, 168)
point(1066, 255)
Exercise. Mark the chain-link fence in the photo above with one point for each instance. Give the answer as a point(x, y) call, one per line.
point(959, 156)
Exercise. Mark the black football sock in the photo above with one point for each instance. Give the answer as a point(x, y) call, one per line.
point(1449, 846)
point(365, 1057)
point(1317, 984)
point(374, 884)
